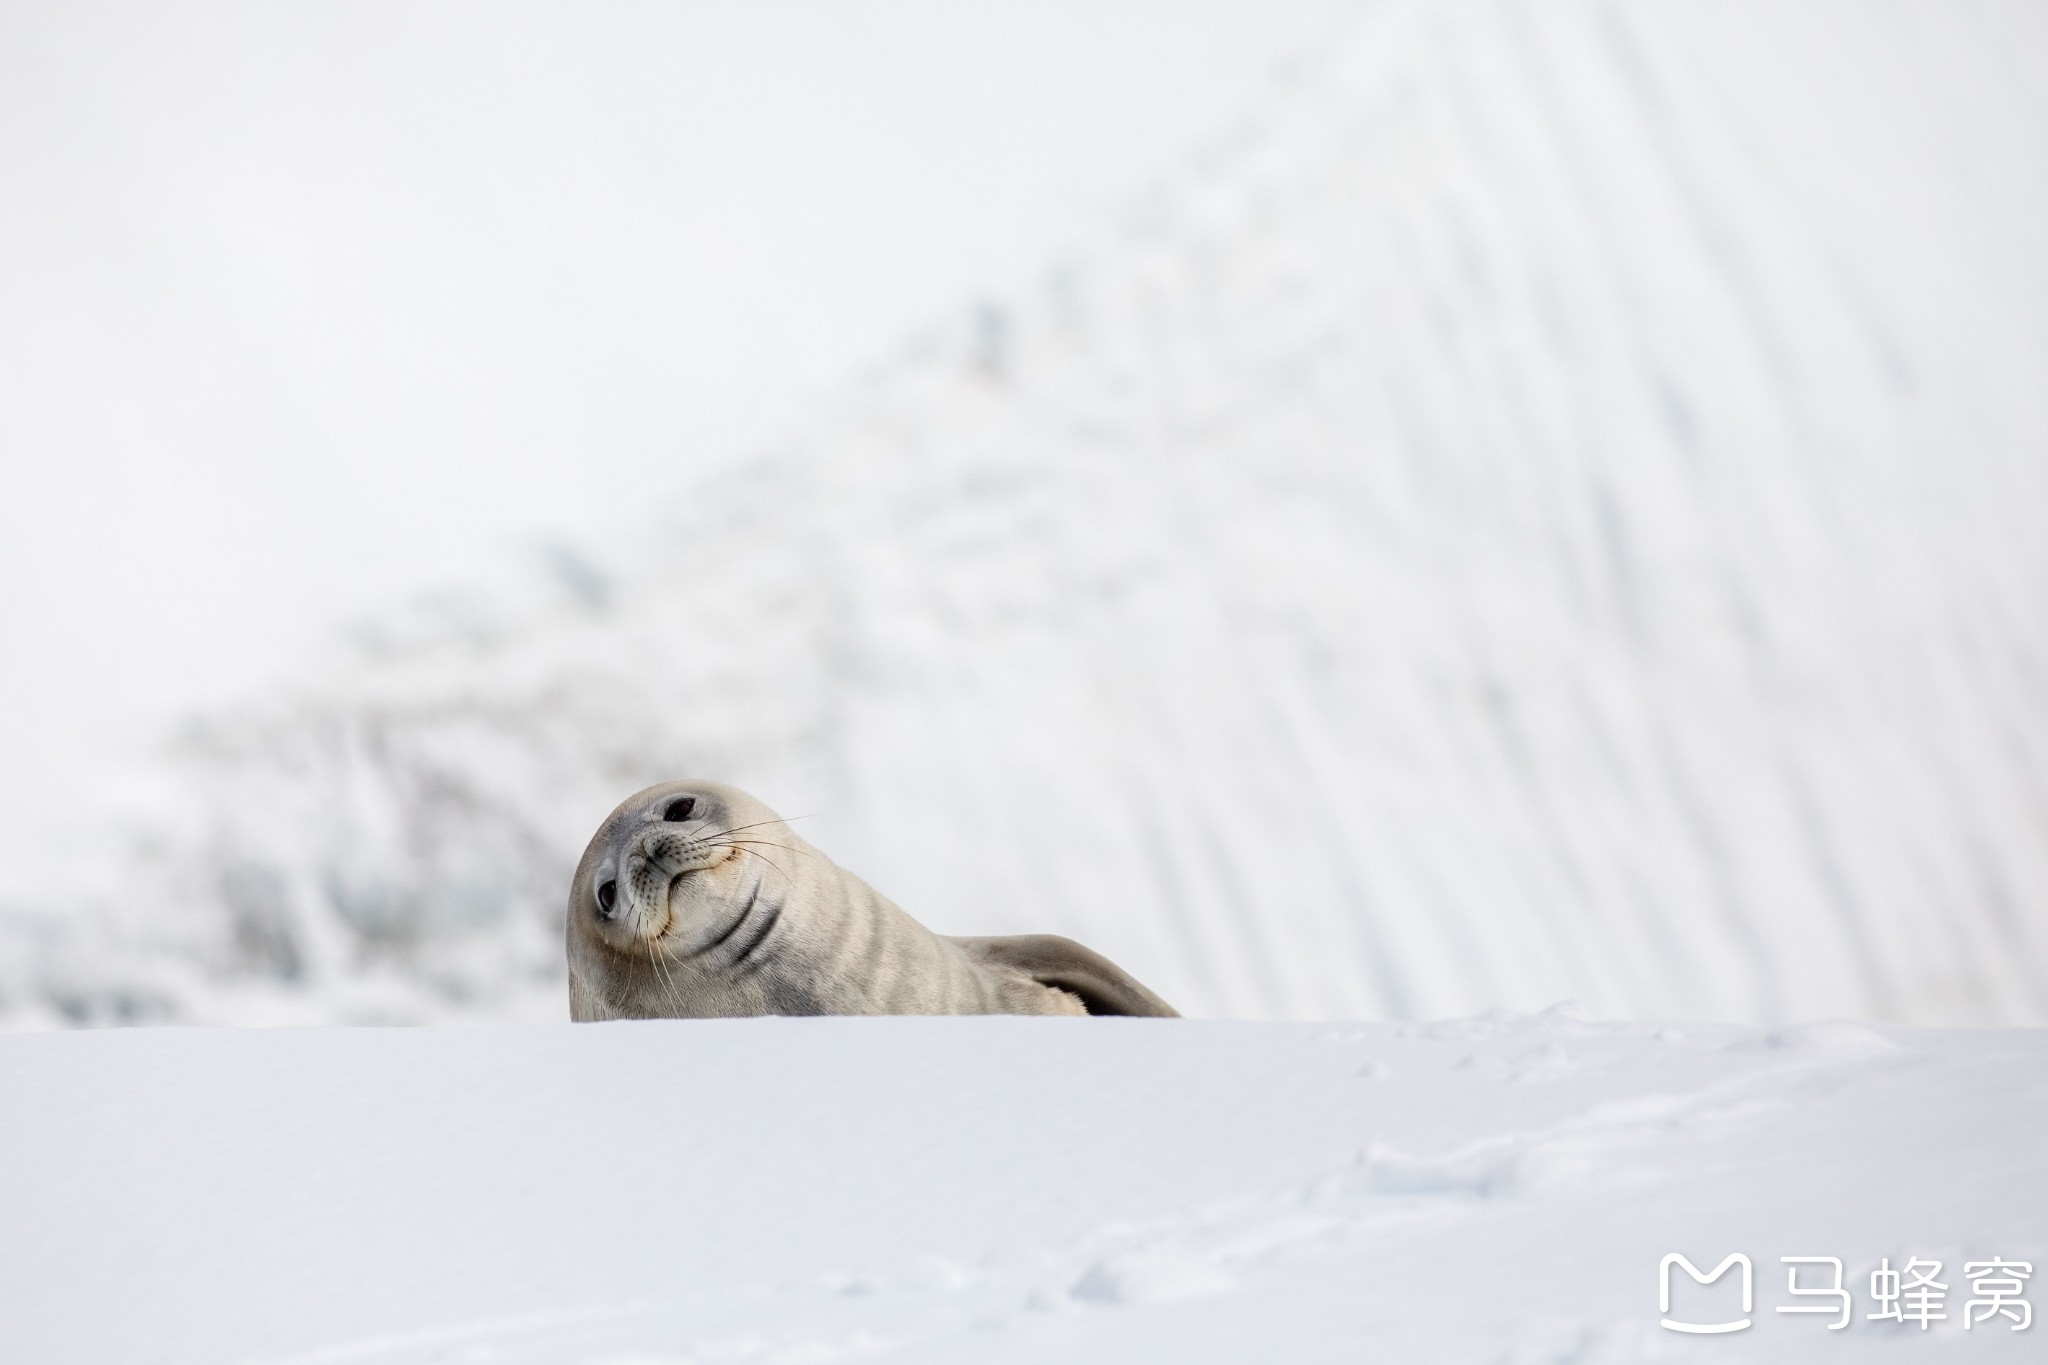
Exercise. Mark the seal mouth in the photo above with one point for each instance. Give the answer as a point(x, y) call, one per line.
point(668, 922)
point(655, 863)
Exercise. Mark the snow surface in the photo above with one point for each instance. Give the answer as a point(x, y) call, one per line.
point(1498, 1189)
point(1550, 507)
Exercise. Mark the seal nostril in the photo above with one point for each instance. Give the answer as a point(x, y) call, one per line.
point(680, 808)
point(607, 897)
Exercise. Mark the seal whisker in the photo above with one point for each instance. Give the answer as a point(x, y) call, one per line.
point(664, 978)
point(749, 849)
point(758, 824)
point(767, 843)
point(781, 819)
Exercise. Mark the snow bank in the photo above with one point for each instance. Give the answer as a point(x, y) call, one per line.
point(919, 1190)
point(1550, 507)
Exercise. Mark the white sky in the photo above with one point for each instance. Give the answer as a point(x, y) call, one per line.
point(306, 308)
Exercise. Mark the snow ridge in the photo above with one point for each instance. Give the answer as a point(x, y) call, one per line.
point(1550, 508)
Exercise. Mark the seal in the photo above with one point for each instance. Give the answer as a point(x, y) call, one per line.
point(694, 900)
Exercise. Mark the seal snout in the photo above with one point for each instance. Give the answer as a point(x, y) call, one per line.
point(667, 852)
point(633, 889)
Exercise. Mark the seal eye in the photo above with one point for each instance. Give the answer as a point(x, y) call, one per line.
point(607, 897)
point(680, 808)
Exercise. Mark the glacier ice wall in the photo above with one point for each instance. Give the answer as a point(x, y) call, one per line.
point(1553, 506)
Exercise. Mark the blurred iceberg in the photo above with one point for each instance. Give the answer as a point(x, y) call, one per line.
point(1551, 507)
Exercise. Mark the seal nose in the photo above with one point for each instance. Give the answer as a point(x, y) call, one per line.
point(607, 897)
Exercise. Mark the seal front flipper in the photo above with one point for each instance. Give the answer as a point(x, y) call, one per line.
point(1101, 985)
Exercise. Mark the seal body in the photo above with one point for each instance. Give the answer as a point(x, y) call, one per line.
point(695, 900)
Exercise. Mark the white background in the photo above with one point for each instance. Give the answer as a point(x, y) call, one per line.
point(308, 308)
